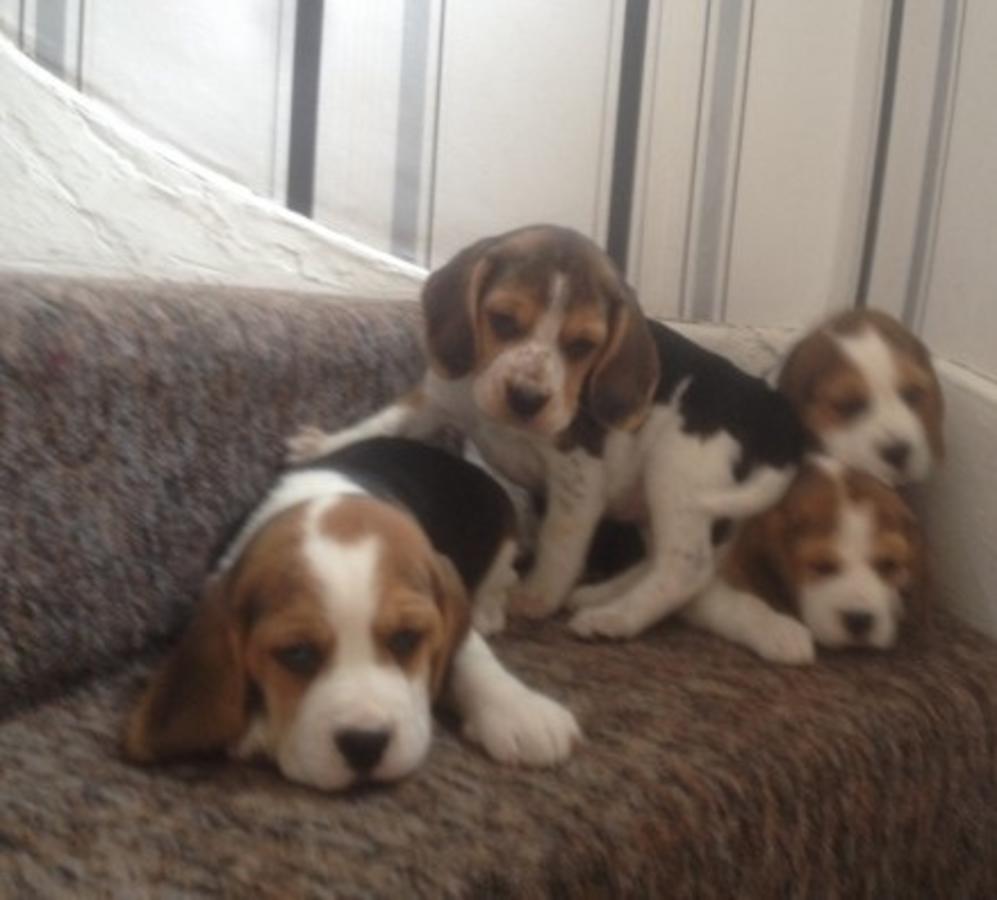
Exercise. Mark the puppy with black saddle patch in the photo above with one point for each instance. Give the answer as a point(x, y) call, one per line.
point(539, 354)
point(339, 614)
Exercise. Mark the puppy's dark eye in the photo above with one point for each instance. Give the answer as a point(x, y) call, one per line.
point(505, 326)
point(403, 643)
point(301, 659)
point(912, 395)
point(849, 407)
point(579, 348)
point(824, 568)
point(886, 566)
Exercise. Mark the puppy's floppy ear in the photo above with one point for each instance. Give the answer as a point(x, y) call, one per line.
point(916, 593)
point(808, 360)
point(196, 702)
point(450, 301)
point(933, 407)
point(455, 609)
point(759, 558)
point(622, 382)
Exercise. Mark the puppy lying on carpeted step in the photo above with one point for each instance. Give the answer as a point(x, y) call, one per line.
point(339, 614)
point(839, 562)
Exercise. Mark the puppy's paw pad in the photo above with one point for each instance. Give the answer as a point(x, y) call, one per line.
point(585, 597)
point(488, 619)
point(308, 443)
point(788, 642)
point(532, 601)
point(603, 622)
point(524, 727)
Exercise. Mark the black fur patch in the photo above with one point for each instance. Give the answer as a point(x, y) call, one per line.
point(720, 396)
point(462, 509)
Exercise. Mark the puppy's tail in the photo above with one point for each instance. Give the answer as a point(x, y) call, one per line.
point(756, 494)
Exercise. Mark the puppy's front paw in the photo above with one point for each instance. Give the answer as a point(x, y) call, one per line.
point(614, 620)
point(308, 443)
point(488, 618)
point(587, 596)
point(519, 726)
point(787, 641)
point(536, 598)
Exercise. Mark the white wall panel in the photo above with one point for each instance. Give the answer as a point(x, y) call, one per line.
point(9, 18)
point(807, 147)
point(527, 110)
point(667, 156)
point(960, 311)
point(908, 182)
point(202, 75)
point(358, 118)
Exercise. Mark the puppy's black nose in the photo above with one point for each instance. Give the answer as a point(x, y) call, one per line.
point(896, 454)
point(525, 402)
point(361, 749)
point(857, 624)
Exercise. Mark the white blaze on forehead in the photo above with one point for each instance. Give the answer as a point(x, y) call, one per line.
point(869, 353)
point(549, 326)
point(887, 421)
point(349, 582)
point(292, 489)
point(855, 533)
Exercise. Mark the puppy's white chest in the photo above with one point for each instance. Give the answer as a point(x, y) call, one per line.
point(515, 456)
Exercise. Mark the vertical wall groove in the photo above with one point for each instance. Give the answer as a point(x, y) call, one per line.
point(411, 124)
point(434, 159)
point(736, 170)
point(307, 67)
point(888, 95)
point(949, 44)
point(50, 35)
point(684, 293)
point(717, 179)
point(627, 126)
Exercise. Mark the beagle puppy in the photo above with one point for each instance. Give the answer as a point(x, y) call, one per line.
point(540, 354)
point(337, 617)
point(840, 558)
point(867, 391)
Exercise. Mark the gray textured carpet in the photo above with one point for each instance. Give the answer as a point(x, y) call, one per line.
point(136, 423)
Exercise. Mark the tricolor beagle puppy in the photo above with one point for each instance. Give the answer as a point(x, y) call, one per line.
point(840, 559)
point(867, 392)
point(339, 614)
point(540, 355)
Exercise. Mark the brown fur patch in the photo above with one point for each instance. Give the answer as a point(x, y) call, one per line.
point(419, 589)
point(913, 360)
point(777, 553)
point(822, 382)
point(197, 702)
point(271, 601)
point(492, 294)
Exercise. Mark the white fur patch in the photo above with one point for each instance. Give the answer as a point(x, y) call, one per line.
point(856, 589)
point(887, 421)
point(534, 364)
point(292, 489)
point(513, 723)
point(356, 691)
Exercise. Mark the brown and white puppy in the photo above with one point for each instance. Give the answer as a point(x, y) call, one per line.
point(867, 391)
point(837, 562)
point(537, 350)
point(339, 615)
